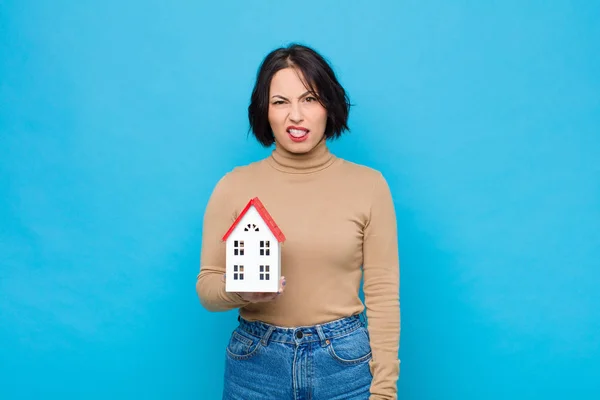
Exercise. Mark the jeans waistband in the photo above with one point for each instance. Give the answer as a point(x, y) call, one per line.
point(301, 334)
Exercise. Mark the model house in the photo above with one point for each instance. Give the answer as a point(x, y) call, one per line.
point(253, 246)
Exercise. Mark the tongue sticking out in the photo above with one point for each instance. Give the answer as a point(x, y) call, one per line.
point(297, 133)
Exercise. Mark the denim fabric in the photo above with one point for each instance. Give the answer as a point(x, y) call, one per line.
point(323, 362)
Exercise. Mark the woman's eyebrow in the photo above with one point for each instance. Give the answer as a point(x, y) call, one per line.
point(285, 98)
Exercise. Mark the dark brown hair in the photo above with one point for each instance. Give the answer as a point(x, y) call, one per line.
point(319, 78)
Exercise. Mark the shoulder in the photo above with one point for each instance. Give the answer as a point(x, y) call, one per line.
point(361, 172)
point(373, 183)
point(240, 174)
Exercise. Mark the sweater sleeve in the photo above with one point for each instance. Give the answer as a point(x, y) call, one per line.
point(218, 217)
point(382, 291)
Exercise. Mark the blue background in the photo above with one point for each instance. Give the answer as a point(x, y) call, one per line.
point(117, 119)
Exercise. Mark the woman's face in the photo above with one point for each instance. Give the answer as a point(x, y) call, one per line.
point(297, 118)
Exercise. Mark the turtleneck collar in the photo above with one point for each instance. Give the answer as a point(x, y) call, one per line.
point(315, 160)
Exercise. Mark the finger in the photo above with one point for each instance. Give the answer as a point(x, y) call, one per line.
point(281, 287)
point(281, 284)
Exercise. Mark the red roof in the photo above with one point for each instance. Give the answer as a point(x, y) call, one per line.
point(262, 211)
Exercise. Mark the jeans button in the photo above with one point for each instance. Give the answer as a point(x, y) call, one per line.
point(299, 335)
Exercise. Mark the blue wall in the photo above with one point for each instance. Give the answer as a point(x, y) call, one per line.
point(117, 118)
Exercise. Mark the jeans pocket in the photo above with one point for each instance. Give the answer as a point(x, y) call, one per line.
point(350, 349)
point(242, 346)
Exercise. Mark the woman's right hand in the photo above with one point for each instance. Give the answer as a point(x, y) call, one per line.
point(261, 297)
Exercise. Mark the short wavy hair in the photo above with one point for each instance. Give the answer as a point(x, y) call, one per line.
point(319, 78)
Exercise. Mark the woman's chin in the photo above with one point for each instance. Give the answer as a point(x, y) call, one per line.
point(296, 147)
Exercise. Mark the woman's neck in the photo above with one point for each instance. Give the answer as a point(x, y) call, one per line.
point(298, 163)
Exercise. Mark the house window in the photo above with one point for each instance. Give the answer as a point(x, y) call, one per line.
point(264, 273)
point(264, 248)
point(238, 247)
point(238, 272)
point(251, 227)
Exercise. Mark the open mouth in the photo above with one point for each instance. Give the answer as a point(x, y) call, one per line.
point(297, 134)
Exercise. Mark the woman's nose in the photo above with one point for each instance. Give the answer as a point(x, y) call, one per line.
point(296, 114)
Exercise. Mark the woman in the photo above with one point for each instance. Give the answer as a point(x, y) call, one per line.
point(308, 341)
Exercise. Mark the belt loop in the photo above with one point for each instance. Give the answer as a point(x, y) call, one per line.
point(322, 338)
point(363, 317)
point(267, 335)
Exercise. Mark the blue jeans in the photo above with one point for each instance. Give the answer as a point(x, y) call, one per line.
point(329, 361)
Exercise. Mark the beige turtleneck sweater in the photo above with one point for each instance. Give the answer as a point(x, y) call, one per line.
point(337, 216)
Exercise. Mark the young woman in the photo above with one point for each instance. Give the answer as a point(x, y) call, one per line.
point(308, 341)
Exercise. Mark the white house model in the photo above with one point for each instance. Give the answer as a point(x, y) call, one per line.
point(253, 251)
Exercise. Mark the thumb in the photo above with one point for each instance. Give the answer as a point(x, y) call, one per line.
point(282, 284)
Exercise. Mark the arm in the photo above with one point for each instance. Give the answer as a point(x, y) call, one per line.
point(381, 287)
point(218, 217)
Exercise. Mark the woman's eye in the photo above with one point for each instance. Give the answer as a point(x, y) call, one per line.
point(310, 99)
